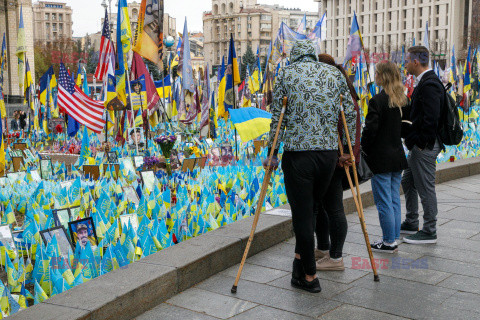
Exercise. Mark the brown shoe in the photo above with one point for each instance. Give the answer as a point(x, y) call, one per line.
point(320, 255)
point(328, 264)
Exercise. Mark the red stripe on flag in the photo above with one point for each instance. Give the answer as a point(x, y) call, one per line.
point(87, 112)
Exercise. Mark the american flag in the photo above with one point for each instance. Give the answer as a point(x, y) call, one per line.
point(77, 104)
point(106, 51)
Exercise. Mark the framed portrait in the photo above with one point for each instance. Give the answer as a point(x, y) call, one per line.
point(131, 195)
point(92, 171)
point(209, 142)
point(226, 154)
point(174, 162)
point(64, 243)
point(188, 164)
point(138, 161)
point(61, 217)
point(148, 179)
point(125, 218)
point(28, 155)
point(112, 157)
point(18, 153)
point(46, 168)
point(82, 232)
point(250, 153)
point(136, 135)
point(74, 212)
point(100, 155)
point(127, 164)
point(6, 236)
point(180, 157)
point(214, 156)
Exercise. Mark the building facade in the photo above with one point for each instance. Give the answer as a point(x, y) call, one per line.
point(52, 21)
point(386, 25)
point(251, 24)
point(9, 21)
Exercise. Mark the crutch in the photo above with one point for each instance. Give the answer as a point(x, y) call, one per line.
point(263, 192)
point(356, 197)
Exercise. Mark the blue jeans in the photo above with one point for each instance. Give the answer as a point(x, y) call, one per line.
point(386, 193)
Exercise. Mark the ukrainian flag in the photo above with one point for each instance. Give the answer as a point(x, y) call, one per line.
point(124, 34)
point(167, 84)
point(467, 86)
point(355, 42)
point(232, 75)
point(221, 89)
point(47, 79)
point(250, 122)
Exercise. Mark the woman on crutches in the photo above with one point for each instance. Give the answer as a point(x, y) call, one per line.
point(310, 140)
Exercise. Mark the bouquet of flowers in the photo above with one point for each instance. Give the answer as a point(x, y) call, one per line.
point(166, 144)
point(151, 162)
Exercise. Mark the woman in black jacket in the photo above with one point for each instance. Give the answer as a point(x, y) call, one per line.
point(382, 144)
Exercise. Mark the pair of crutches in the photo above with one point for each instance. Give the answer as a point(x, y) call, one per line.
point(268, 172)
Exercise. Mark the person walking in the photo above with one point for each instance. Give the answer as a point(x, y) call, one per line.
point(423, 142)
point(384, 153)
point(310, 141)
point(331, 224)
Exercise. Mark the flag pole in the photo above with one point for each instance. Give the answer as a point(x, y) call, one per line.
point(234, 100)
point(131, 104)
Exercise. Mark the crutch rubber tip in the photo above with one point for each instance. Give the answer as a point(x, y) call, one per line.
point(375, 278)
point(234, 289)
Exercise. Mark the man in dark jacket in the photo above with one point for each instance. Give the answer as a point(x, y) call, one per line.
point(423, 142)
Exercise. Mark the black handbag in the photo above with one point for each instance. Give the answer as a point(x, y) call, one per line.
point(363, 172)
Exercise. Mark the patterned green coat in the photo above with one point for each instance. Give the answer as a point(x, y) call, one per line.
point(313, 90)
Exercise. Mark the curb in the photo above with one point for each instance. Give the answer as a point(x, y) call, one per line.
point(135, 289)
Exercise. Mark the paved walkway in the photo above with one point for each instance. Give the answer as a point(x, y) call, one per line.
point(440, 281)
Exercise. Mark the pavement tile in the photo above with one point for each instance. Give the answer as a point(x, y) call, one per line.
point(275, 261)
point(329, 288)
point(385, 302)
point(453, 266)
point(468, 256)
point(255, 273)
point(275, 297)
point(264, 312)
point(462, 213)
point(210, 303)
point(462, 283)
point(350, 312)
point(405, 288)
point(169, 312)
point(467, 301)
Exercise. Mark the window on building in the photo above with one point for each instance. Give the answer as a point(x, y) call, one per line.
point(249, 26)
point(54, 16)
point(239, 34)
point(60, 26)
point(47, 16)
point(249, 18)
point(54, 27)
point(249, 34)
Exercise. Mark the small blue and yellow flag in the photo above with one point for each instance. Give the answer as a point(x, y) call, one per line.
point(250, 122)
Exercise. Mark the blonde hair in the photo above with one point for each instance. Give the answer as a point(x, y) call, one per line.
point(388, 77)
